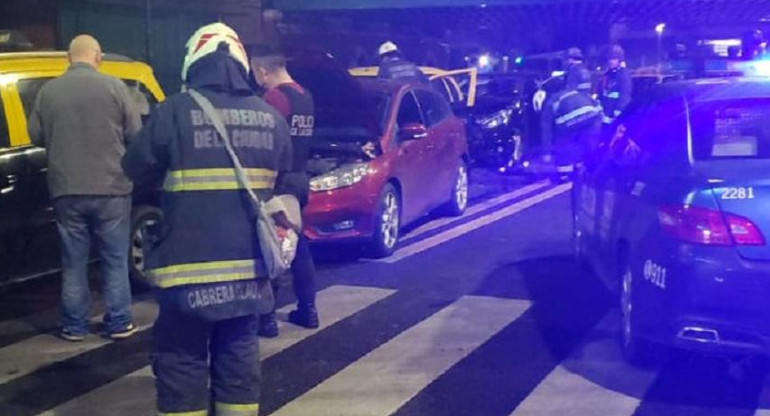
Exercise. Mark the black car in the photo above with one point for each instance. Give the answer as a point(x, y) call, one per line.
point(502, 121)
point(675, 216)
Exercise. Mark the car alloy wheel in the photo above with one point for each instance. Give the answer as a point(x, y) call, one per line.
point(141, 218)
point(390, 220)
point(626, 310)
point(461, 188)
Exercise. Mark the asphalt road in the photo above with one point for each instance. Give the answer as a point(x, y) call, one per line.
point(483, 315)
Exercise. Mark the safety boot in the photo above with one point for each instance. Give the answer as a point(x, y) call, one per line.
point(268, 326)
point(305, 315)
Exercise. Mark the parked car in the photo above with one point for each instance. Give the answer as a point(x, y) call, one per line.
point(385, 155)
point(675, 217)
point(24, 202)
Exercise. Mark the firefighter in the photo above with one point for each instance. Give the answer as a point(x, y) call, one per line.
point(616, 86)
point(205, 257)
point(571, 126)
point(394, 66)
point(295, 104)
point(578, 77)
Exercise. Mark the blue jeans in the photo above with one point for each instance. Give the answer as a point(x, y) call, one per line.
point(107, 219)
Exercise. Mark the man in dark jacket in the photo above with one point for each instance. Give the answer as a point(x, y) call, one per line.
point(571, 125)
point(84, 119)
point(206, 259)
point(394, 66)
point(295, 104)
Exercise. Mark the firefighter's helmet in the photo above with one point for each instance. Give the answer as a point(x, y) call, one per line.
point(207, 40)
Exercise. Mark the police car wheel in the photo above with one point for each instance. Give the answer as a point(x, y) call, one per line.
point(141, 217)
point(635, 350)
point(387, 223)
point(458, 199)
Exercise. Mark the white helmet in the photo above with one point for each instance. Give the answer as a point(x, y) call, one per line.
point(388, 47)
point(206, 41)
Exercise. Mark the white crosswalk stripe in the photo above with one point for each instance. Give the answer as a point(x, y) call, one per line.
point(16, 361)
point(134, 394)
point(389, 376)
point(569, 389)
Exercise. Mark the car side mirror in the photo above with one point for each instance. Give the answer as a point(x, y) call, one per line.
point(413, 131)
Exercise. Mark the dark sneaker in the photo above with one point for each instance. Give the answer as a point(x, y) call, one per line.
point(124, 333)
point(306, 317)
point(67, 335)
point(268, 326)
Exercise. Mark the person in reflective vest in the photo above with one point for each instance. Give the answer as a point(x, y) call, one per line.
point(205, 256)
point(616, 86)
point(394, 66)
point(571, 126)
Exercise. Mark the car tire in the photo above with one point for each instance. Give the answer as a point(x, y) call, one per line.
point(635, 350)
point(141, 217)
point(387, 223)
point(458, 199)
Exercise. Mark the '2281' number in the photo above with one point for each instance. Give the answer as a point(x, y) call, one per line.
point(738, 193)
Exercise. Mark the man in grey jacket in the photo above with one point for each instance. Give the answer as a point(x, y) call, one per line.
point(84, 119)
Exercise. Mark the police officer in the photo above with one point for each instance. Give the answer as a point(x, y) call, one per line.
point(616, 85)
point(578, 77)
point(205, 258)
point(295, 104)
point(394, 66)
point(571, 125)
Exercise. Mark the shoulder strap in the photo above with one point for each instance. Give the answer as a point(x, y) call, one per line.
point(219, 125)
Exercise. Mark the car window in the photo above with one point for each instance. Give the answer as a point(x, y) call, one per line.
point(141, 97)
point(434, 107)
point(28, 90)
point(440, 85)
point(731, 129)
point(5, 137)
point(409, 111)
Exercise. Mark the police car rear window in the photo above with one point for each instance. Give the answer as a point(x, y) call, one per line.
point(731, 129)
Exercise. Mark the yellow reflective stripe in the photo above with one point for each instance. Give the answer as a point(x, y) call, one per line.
point(194, 413)
point(226, 409)
point(208, 272)
point(217, 179)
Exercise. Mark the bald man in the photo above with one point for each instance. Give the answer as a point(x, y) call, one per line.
point(84, 119)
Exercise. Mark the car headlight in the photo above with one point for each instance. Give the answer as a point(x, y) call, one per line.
point(344, 176)
point(497, 119)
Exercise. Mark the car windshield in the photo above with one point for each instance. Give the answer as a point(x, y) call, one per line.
point(351, 128)
point(731, 129)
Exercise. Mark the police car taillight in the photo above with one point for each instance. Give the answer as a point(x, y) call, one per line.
point(705, 226)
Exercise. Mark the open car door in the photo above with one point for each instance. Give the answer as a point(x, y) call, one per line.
point(458, 86)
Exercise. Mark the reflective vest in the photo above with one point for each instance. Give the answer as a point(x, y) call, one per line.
point(207, 234)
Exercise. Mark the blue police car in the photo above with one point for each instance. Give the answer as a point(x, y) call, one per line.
point(674, 213)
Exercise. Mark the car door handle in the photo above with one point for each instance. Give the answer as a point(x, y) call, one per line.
point(9, 184)
point(430, 147)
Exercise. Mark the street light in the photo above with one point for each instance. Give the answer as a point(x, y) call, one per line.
point(659, 29)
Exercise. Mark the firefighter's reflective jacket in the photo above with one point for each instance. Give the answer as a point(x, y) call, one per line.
point(207, 234)
point(615, 93)
point(397, 68)
point(567, 112)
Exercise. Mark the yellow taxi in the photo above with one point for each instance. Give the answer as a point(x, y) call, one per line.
point(24, 202)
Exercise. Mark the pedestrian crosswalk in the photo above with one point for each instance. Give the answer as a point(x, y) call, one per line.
point(591, 380)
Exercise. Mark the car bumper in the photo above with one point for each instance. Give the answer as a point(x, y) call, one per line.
point(715, 301)
point(341, 215)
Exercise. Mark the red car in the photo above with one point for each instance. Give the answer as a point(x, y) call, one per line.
point(385, 154)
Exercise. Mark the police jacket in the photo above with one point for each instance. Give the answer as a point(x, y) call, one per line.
point(397, 68)
point(208, 235)
point(296, 104)
point(615, 93)
point(566, 113)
